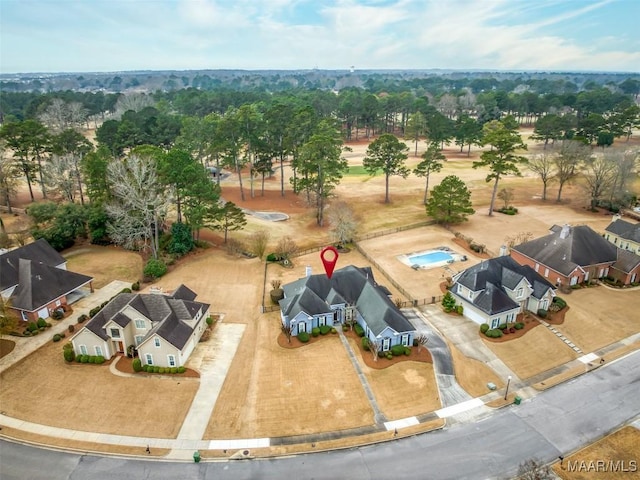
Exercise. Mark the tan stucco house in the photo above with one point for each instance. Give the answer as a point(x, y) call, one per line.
point(164, 329)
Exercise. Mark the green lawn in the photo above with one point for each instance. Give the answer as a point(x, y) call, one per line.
point(357, 170)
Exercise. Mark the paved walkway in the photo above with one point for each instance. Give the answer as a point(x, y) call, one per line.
point(378, 416)
point(219, 353)
point(27, 345)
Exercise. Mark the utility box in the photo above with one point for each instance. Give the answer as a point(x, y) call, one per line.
point(517, 400)
point(491, 386)
point(196, 457)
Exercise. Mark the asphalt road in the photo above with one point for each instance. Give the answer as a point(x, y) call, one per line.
point(555, 422)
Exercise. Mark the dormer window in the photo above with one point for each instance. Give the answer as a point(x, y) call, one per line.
point(520, 292)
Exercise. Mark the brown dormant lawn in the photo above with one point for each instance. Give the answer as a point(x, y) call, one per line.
point(599, 316)
point(104, 264)
point(44, 389)
point(537, 351)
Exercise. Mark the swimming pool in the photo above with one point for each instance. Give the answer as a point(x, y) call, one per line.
point(428, 258)
point(435, 257)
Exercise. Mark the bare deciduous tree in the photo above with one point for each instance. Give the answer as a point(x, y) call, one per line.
point(9, 177)
point(422, 340)
point(520, 237)
point(375, 348)
point(567, 163)
point(343, 223)
point(599, 174)
point(543, 165)
point(286, 247)
point(132, 101)
point(506, 195)
point(534, 469)
point(60, 115)
point(259, 241)
point(139, 203)
point(286, 329)
point(61, 175)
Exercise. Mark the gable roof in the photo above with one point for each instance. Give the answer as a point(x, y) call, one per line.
point(491, 277)
point(623, 229)
point(567, 248)
point(40, 284)
point(39, 252)
point(169, 315)
point(350, 285)
point(626, 261)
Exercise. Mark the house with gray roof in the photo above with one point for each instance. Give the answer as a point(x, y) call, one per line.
point(568, 255)
point(35, 279)
point(164, 329)
point(623, 234)
point(495, 291)
point(351, 294)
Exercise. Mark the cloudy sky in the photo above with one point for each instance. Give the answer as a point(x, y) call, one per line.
point(115, 35)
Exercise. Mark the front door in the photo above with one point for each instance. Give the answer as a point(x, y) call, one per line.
point(120, 347)
point(302, 327)
point(386, 344)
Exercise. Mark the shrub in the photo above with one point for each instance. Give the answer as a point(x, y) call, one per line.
point(407, 351)
point(542, 313)
point(79, 358)
point(333, 330)
point(494, 333)
point(41, 323)
point(272, 257)
point(209, 321)
point(181, 369)
point(84, 358)
point(94, 311)
point(502, 326)
point(99, 360)
point(303, 337)
point(365, 344)
point(145, 368)
point(459, 309)
point(69, 355)
point(512, 330)
point(32, 327)
point(483, 328)
point(519, 326)
point(161, 370)
point(92, 359)
point(156, 369)
point(137, 365)
point(560, 301)
point(173, 369)
point(381, 354)
point(67, 346)
point(345, 328)
point(57, 315)
point(71, 328)
point(389, 355)
point(415, 342)
point(359, 330)
point(57, 337)
point(397, 350)
point(154, 268)
point(315, 331)
point(35, 332)
point(324, 329)
point(125, 290)
point(135, 286)
point(82, 318)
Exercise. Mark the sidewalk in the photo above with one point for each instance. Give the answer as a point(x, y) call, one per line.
point(27, 345)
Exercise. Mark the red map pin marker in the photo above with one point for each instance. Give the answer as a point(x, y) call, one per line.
point(329, 261)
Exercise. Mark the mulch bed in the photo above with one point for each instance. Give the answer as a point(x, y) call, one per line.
point(556, 318)
point(125, 365)
point(367, 357)
point(529, 324)
point(6, 347)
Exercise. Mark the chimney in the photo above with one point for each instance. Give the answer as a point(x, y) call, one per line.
point(307, 271)
point(617, 216)
point(564, 233)
point(503, 250)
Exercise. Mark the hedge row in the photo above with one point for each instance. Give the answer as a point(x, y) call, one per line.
point(157, 369)
point(97, 359)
